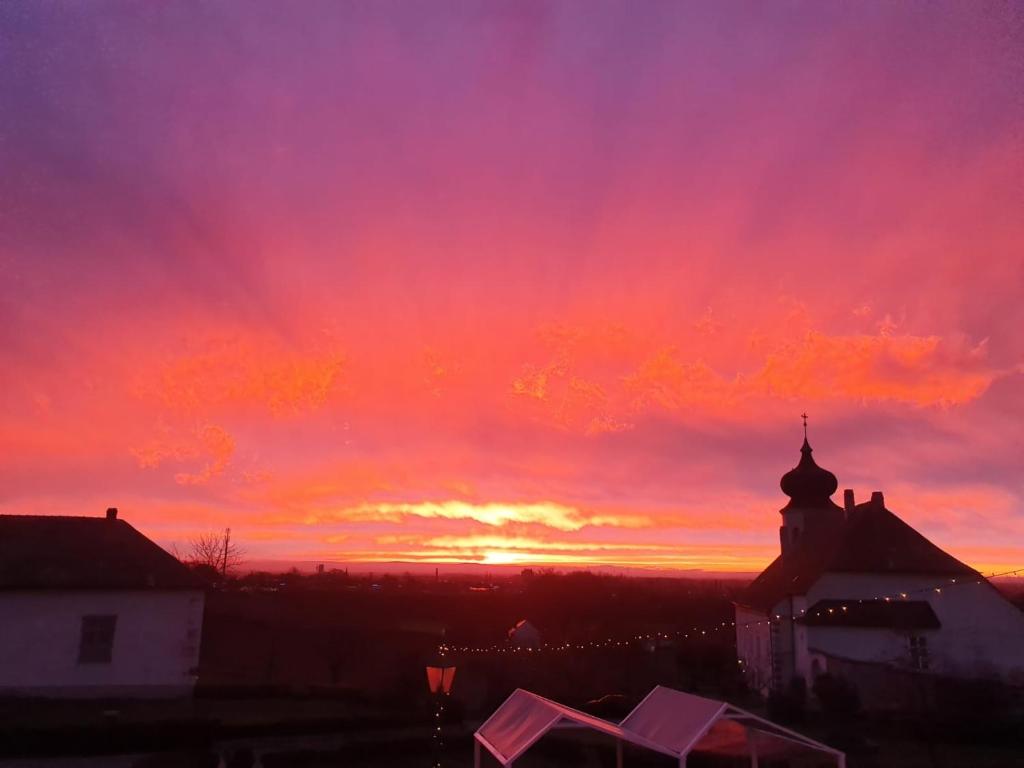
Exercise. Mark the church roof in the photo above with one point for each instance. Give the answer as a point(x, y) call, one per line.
point(871, 539)
point(807, 484)
point(63, 552)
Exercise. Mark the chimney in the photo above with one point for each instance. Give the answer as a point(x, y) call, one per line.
point(848, 501)
point(877, 499)
point(111, 513)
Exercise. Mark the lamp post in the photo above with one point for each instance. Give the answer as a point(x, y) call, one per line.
point(440, 676)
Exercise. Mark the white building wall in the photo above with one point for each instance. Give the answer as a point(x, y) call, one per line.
point(863, 643)
point(798, 660)
point(982, 633)
point(753, 648)
point(155, 648)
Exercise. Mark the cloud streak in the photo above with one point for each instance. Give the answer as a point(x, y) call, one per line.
point(558, 517)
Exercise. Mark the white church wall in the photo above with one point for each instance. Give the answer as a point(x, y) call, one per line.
point(982, 633)
point(789, 644)
point(753, 648)
point(794, 608)
point(155, 644)
point(862, 643)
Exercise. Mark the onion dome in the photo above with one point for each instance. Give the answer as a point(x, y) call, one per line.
point(807, 484)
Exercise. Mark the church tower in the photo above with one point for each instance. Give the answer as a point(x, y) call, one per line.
point(810, 506)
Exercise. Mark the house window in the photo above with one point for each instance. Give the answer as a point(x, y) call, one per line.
point(919, 652)
point(96, 645)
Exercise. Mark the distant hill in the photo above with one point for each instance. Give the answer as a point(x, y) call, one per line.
point(474, 569)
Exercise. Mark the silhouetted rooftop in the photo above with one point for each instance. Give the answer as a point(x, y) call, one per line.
point(60, 552)
point(870, 540)
point(807, 484)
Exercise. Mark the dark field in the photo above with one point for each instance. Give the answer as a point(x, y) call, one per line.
point(326, 633)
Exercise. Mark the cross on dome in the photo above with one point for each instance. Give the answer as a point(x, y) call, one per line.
point(807, 484)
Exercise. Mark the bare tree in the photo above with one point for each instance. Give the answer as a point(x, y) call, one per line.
point(216, 551)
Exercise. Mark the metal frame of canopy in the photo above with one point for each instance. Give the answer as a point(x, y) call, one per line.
point(667, 721)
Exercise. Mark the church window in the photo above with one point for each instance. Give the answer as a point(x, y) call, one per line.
point(919, 652)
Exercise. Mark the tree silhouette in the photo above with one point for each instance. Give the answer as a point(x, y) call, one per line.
point(216, 551)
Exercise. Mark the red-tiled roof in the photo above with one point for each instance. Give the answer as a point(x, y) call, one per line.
point(55, 552)
point(894, 614)
point(871, 540)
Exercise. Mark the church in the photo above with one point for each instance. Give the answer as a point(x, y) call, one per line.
point(859, 594)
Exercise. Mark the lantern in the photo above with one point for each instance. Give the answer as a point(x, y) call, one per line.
point(440, 678)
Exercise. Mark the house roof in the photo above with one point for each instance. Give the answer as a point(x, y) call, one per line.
point(807, 484)
point(870, 540)
point(523, 625)
point(62, 552)
point(894, 614)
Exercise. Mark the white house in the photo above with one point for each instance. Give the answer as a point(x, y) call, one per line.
point(92, 608)
point(858, 593)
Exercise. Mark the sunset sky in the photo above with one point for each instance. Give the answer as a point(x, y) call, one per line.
point(512, 282)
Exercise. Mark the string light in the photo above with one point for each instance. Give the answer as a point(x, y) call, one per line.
point(718, 627)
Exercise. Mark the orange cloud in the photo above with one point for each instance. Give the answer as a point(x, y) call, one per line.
point(666, 382)
point(212, 444)
point(916, 370)
point(579, 393)
point(242, 369)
